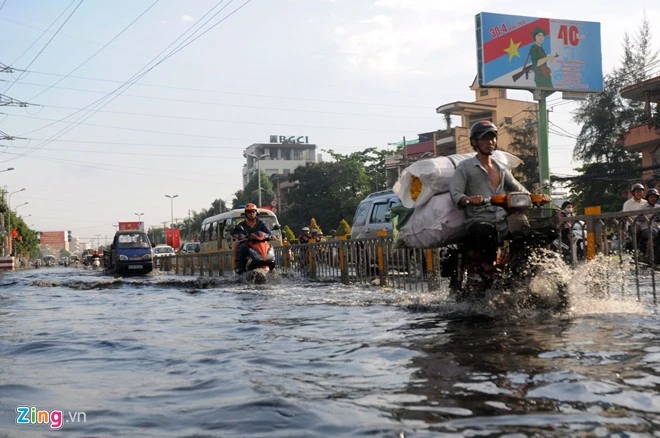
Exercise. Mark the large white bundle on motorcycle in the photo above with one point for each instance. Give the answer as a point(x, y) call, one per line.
point(436, 223)
point(425, 178)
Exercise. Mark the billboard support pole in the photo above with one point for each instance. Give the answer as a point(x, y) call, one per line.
point(544, 164)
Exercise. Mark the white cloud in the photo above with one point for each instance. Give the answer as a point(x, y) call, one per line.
point(185, 18)
point(383, 20)
point(340, 31)
point(401, 44)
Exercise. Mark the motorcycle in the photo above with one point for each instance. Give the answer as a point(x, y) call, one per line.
point(526, 267)
point(96, 261)
point(261, 258)
point(572, 248)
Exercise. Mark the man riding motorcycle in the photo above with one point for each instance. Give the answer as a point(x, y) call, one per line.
point(246, 227)
point(476, 179)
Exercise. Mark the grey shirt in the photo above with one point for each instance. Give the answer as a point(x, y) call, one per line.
point(470, 179)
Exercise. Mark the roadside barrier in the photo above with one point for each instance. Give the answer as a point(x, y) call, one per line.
point(369, 261)
point(380, 262)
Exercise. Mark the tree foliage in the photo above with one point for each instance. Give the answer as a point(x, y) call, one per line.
point(251, 192)
point(524, 139)
point(327, 191)
point(605, 118)
point(344, 229)
point(373, 161)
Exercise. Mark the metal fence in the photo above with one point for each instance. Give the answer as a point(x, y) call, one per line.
point(380, 262)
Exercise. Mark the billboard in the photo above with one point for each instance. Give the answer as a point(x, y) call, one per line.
point(538, 53)
point(51, 237)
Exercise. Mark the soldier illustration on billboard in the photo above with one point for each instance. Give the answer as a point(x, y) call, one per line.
point(539, 61)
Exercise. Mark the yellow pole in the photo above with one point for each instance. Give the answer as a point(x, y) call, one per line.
point(591, 236)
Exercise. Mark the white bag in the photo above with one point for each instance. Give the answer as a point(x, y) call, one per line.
point(437, 223)
point(434, 174)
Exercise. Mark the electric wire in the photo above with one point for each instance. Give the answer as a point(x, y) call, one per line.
point(44, 31)
point(47, 44)
point(232, 93)
point(117, 92)
point(62, 78)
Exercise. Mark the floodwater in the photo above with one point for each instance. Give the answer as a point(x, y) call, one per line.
point(173, 356)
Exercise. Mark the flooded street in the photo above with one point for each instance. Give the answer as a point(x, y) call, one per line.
point(168, 355)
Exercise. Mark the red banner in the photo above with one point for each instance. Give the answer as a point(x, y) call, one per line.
point(173, 237)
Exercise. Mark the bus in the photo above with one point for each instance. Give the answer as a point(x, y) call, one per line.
point(216, 232)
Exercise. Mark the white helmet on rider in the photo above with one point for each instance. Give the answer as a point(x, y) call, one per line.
point(637, 186)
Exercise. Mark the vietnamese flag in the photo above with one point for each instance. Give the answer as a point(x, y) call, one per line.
point(518, 38)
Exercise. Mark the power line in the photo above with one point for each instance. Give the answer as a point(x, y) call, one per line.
point(43, 32)
point(233, 93)
point(47, 43)
point(97, 52)
point(259, 107)
point(238, 122)
point(117, 92)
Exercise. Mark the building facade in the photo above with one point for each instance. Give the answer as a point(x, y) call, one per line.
point(645, 137)
point(490, 104)
point(279, 157)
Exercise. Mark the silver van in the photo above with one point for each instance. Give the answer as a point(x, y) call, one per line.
point(373, 215)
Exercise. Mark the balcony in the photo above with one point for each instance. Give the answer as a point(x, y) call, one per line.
point(641, 137)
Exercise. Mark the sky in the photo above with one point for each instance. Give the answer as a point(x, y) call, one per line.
point(132, 100)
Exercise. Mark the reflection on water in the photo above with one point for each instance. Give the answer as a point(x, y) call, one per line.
point(165, 355)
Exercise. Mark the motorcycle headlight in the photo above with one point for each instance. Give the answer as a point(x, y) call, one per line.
point(519, 200)
point(123, 257)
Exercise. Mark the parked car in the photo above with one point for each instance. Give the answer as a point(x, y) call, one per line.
point(373, 215)
point(190, 248)
point(163, 251)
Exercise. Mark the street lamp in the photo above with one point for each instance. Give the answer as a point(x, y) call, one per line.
point(259, 158)
point(9, 219)
point(98, 240)
point(20, 205)
point(139, 215)
point(7, 169)
point(172, 208)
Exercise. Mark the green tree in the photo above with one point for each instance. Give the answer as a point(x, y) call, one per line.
point(373, 161)
point(328, 191)
point(314, 226)
point(344, 229)
point(523, 144)
point(288, 232)
point(251, 192)
point(605, 118)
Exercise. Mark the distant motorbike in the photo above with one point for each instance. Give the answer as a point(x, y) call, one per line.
point(261, 258)
point(525, 257)
point(572, 248)
point(96, 261)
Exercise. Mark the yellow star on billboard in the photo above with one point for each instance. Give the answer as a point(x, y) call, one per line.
point(512, 50)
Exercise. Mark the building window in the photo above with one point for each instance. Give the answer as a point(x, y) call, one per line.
point(508, 120)
point(503, 93)
point(481, 116)
point(297, 154)
point(483, 93)
point(286, 171)
point(286, 154)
